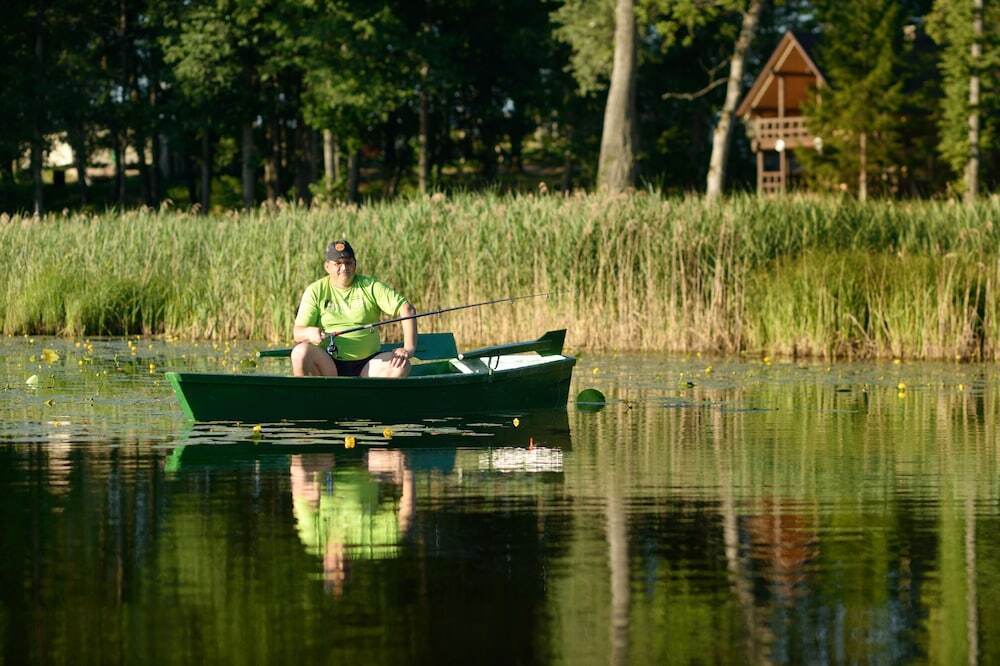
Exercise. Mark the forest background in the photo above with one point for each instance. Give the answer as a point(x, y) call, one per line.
point(230, 103)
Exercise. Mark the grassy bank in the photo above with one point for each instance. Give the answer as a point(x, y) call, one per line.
point(795, 276)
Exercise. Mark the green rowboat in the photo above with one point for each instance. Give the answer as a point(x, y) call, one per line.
point(518, 376)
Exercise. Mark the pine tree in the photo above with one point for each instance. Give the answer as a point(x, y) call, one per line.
point(857, 116)
point(968, 32)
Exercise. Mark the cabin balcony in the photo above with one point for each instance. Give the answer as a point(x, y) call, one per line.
point(766, 132)
point(770, 182)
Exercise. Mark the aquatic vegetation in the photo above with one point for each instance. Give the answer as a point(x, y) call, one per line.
point(800, 276)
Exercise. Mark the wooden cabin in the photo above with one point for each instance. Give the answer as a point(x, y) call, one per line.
point(772, 112)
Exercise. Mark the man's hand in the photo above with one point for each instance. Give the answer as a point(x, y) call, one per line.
point(399, 357)
point(311, 334)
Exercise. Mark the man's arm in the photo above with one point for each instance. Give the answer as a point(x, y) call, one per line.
point(309, 314)
point(409, 328)
point(313, 334)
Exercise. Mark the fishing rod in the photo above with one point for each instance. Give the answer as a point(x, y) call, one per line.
point(331, 348)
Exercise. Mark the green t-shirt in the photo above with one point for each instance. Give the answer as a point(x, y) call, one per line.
point(335, 309)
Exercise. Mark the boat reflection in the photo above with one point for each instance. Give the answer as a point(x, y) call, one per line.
point(354, 486)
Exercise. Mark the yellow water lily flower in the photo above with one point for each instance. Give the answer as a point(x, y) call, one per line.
point(901, 386)
point(517, 423)
point(387, 433)
point(349, 442)
point(256, 429)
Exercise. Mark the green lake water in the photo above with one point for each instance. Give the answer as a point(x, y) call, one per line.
point(716, 511)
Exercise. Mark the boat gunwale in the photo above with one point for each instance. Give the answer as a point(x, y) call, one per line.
point(364, 382)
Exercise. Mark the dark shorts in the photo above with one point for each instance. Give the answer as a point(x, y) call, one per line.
point(351, 368)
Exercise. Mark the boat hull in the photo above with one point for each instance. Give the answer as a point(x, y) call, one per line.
point(272, 398)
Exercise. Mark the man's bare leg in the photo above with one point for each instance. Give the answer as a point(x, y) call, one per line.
point(310, 360)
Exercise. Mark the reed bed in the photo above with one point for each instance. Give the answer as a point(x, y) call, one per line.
point(805, 276)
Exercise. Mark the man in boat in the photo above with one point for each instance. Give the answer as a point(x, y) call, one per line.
point(341, 300)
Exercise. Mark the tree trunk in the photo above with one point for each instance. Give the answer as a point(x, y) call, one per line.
point(723, 130)
point(36, 120)
point(301, 151)
point(190, 179)
point(337, 175)
point(390, 161)
point(206, 171)
point(423, 166)
point(155, 186)
point(975, 55)
point(616, 166)
point(121, 139)
point(567, 176)
point(286, 159)
point(36, 171)
point(353, 176)
point(155, 170)
point(863, 167)
point(166, 156)
point(315, 155)
point(329, 158)
point(79, 146)
point(119, 151)
point(248, 160)
point(140, 152)
point(271, 178)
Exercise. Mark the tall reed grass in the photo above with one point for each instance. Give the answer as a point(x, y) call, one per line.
point(806, 276)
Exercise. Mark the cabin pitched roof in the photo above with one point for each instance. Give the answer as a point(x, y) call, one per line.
point(790, 59)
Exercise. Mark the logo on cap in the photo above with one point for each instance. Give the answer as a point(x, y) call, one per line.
point(339, 247)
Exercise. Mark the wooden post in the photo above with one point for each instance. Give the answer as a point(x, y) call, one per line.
point(782, 163)
point(760, 171)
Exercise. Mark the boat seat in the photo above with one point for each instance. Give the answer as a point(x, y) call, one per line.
point(471, 366)
point(430, 346)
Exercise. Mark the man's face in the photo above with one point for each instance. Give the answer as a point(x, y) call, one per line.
point(341, 271)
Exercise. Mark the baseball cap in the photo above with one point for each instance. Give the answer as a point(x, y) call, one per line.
point(339, 249)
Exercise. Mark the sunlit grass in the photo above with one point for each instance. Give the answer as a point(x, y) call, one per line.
point(810, 276)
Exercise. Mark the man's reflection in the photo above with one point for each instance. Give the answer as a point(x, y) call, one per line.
point(351, 513)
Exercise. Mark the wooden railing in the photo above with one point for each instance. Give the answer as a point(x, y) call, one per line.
point(791, 129)
point(770, 182)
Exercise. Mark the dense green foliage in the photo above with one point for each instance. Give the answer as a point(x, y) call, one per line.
point(226, 103)
point(951, 25)
point(857, 116)
point(801, 276)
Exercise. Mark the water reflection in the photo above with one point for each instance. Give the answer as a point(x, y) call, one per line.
point(349, 513)
point(753, 513)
